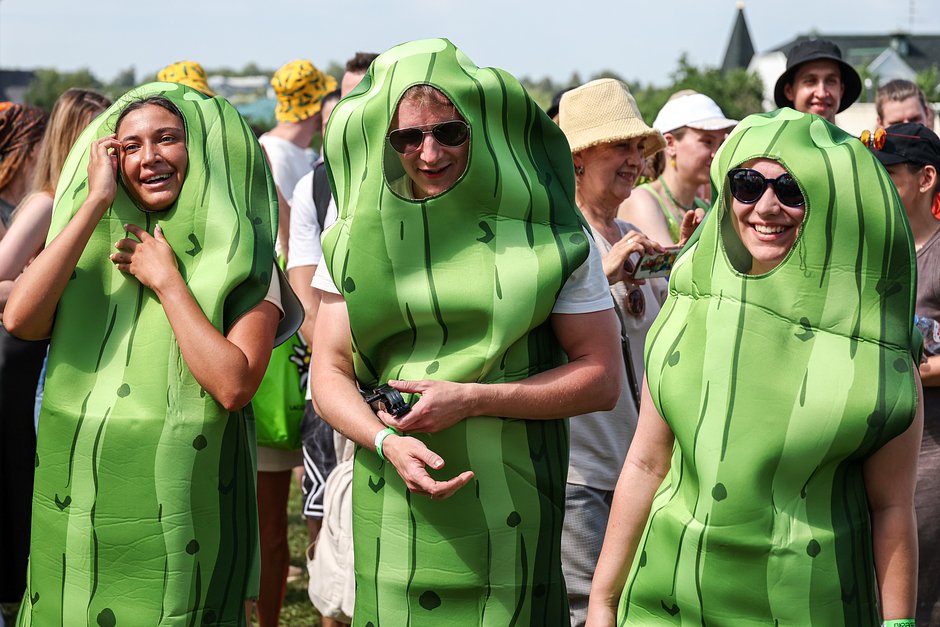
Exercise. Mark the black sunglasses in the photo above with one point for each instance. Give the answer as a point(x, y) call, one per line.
point(452, 133)
point(749, 185)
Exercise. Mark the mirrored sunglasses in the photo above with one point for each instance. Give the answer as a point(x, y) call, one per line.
point(749, 185)
point(452, 133)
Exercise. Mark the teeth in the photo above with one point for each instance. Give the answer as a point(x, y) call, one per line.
point(767, 229)
point(157, 179)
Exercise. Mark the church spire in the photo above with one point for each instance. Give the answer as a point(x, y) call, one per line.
point(740, 50)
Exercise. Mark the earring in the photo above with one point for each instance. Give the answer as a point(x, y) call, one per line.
point(579, 170)
point(672, 162)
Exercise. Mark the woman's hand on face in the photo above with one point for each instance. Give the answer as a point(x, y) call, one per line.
point(103, 169)
point(632, 242)
point(411, 457)
point(690, 222)
point(442, 404)
point(150, 260)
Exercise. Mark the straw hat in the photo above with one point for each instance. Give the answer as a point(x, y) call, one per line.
point(602, 112)
point(299, 87)
point(187, 73)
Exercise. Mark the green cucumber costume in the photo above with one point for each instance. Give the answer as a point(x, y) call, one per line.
point(457, 287)
point(778, 387)
point(144, 505)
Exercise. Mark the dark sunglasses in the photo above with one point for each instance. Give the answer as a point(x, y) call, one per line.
point(749, 185)
point(452, 133)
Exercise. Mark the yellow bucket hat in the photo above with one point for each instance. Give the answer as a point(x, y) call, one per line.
point(300, 87)
point(187, 73)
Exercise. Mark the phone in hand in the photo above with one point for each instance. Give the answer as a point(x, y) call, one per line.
point(652, 265)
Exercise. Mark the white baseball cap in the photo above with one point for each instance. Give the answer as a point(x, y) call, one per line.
point(694, 111)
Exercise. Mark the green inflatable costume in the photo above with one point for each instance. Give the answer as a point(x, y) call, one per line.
point(778, 387)
point(144, 505)
point(457, 287)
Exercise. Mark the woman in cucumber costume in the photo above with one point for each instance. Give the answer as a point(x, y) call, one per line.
point(466, 277)
point(156, 288)
point(772, 474)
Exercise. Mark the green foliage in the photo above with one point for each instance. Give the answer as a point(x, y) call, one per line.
point(49, 85)
point(738, 93)
point(929, 81)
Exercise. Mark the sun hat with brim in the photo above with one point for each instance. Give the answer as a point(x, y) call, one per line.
point(603, 112)
point(187, 73)
point(910, 143)
point(299, 87)
point(819, 50)
point(696, 111)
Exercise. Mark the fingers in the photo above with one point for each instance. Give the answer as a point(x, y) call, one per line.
point(409, 386)
point(133, 229)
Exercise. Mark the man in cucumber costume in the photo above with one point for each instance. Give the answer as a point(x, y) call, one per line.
point(452, 294)
point(785, 400)
point(144, 505)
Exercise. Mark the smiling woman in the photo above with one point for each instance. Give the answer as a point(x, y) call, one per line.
point(151, 138)
point(145, 440)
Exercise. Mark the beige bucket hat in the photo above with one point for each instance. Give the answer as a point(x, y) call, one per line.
point(602, 112)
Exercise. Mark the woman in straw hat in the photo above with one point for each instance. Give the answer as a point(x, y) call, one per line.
point(464, 277)
point(609, 141)
point(693, 127)
point(772, 475)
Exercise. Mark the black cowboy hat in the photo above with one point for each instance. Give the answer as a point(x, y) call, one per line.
point(814, 50)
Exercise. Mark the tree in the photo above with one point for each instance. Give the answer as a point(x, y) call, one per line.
point(49, 84)
point(929, 81)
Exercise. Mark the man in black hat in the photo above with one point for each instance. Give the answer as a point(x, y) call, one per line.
point(817, 80)
point(911, 154)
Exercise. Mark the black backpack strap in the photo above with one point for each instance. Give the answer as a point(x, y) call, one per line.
point(321, 192)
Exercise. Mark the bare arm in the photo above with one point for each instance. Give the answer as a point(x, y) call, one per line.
point(588, 382)
point(229, 367)
point(647, 463)
point(336, 397)
point(283, 223)
point(890, 478)
point(30, 310)
point(642, 211)
point(26, 235)
point(300, 278)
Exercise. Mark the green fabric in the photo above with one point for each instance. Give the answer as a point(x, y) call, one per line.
point(778, 387)
point(144, 505)
point(281, 397)
point(457, 287)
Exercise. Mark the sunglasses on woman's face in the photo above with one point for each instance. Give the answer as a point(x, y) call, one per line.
point(749, 185)
point(452, 133)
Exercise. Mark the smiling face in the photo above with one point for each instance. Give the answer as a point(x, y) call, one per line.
point(153, 156)
point(607, 172)
point(767, 228)
point(816, 88)
point(433, 168)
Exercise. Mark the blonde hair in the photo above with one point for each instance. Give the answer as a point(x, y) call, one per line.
point(72, 112)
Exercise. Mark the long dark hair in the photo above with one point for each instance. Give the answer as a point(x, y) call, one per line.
point(159, 101)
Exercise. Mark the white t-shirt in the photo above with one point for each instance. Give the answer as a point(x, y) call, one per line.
point(288, 161)
point(585, 291)
point(305, 249)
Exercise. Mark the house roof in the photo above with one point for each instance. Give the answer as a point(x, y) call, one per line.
point(920, 52)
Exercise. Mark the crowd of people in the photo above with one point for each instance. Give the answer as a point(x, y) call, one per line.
point(438, 325)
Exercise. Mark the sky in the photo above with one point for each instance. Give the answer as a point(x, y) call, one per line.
point(640, 41)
